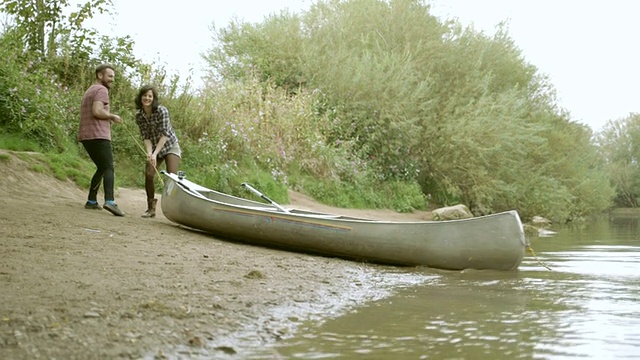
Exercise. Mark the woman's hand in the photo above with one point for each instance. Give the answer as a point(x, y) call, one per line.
point(151, 158)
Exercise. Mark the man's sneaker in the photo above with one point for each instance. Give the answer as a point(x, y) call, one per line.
point(113, 208)
point(92, 206)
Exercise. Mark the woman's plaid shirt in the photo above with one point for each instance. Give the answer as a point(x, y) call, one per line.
point(153, 127)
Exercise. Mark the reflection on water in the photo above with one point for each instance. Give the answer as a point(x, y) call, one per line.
point(587, 306)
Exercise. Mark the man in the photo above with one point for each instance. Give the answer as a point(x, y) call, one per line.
point(95, 135)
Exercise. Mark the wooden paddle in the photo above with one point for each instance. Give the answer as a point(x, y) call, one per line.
point(247, 186)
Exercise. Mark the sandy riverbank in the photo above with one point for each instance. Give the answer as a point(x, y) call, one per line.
point(84, 284)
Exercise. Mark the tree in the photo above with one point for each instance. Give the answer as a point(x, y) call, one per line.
point(50, 59)
point(460, 112)
point(41, 23)
point(619, 143)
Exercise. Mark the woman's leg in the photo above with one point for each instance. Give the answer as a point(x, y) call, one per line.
point(173, 162)
point(149, 181)
point(150, 188)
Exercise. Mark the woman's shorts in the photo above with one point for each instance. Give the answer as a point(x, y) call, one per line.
point(175, 150)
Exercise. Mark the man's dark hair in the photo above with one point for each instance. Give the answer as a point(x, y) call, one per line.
point(143, 90)
point(102, 67)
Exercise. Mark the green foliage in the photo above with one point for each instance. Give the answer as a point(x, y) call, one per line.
point(360, 103)
point(263, 182)
point(34, 103)
point(64, 166)
point(205, 164)
point(272, 52)
point(38, 168)
point(17, 142)
point(411, 98)
point(397, 195)
point(69, 165)
point(42, 24)
point(619, 142)
point(49, 64)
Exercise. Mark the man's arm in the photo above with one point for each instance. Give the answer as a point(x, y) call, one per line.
point(99, 112)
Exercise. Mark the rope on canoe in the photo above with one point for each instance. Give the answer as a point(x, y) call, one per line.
point(530, 249)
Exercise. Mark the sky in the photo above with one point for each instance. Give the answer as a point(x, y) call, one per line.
point(588, 48)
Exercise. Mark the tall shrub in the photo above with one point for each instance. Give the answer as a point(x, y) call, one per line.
point(619, 142)
point(421, 99)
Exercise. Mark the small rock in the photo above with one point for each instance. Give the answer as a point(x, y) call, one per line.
point(227, 350)
point(540, 220)
point(454, 212)
point(254, 274)
point(196, 341)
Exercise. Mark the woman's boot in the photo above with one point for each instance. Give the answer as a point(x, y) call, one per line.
point(151, 209)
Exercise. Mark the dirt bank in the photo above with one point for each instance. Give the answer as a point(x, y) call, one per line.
point(84, 284)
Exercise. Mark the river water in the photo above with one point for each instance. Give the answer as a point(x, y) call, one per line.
point(577, 298)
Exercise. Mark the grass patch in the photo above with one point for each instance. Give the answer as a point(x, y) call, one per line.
point(28, 157)
point(129, 171)
point(70, 165)
point(264, 183)
point(227, 177)
point(18, 142)
point(400, 196)
point(39, 168)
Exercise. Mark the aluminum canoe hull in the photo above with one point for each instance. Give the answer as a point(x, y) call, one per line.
point(494, 241)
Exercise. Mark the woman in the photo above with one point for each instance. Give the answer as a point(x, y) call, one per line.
point(160, 141)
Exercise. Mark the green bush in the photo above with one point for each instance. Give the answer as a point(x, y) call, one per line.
point(359, 103)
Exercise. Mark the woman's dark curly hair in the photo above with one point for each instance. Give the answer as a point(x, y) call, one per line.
point(143, 90)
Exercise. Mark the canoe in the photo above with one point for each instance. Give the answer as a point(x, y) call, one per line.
point(494, 241)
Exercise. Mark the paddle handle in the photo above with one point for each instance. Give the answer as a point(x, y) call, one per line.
point(250, 188)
